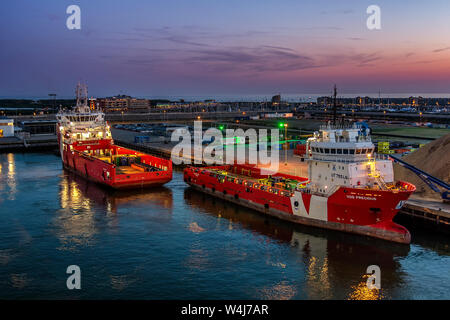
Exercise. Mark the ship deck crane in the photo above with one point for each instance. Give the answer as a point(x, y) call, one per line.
point(431, 181)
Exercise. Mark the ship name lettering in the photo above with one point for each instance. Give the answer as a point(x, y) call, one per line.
point(361, 197)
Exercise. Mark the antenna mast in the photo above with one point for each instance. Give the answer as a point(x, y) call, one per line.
point(334, 105)
point(82, 97)
point(81, 94)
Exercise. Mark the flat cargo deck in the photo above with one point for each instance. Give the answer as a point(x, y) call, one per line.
point(274, 181)
point(127, 170)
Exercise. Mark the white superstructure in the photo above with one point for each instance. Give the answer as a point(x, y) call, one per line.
point(81, 123)
point(345, 156)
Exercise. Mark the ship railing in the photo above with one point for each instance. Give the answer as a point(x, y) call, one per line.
point(362, 158)
point(359, 138)
point(336, 127)
point(339, 160)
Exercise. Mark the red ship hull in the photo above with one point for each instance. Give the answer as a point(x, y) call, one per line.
point(94, 161)
point(360, 211)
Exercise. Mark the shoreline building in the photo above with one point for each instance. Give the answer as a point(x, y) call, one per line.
point(125, 104)
point(6, 127)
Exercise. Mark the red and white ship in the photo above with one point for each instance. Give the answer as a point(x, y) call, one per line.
point(349, 188)
point(87, 148)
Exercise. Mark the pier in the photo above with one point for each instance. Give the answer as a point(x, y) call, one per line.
point(29, 143)
point(429, 214)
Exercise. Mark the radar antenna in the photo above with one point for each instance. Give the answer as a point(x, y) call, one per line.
point(81, 93)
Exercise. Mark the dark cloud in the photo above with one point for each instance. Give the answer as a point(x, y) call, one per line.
point(441, 49)
point(425, 61)
point(257, 59)
point(358, 59)
point(183, 40)
point(194, 53)
point(280, 48)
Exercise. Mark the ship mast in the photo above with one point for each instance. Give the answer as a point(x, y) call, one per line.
point(82, 97)
point(334, 105)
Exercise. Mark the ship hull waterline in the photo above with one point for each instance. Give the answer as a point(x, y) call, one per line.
point(352, 210)
point(127, 186)
point(404, 238)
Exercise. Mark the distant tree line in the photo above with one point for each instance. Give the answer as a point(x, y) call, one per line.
point(29, 106)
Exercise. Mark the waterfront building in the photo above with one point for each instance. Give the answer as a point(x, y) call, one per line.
point(6, 128)
point(124, 104)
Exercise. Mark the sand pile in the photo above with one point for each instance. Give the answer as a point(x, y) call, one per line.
point(433, 158)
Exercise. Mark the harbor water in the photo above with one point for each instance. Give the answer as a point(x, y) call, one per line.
point(173, 242)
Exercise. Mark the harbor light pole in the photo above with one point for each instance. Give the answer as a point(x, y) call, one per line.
point(285, 125)
point(286, 144)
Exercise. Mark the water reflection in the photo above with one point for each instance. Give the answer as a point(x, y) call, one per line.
point(334, 263)
point(8, 175)
point(86, 207)
point(77, 193)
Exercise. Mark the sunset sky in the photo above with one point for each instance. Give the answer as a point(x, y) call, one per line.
point(212, 47)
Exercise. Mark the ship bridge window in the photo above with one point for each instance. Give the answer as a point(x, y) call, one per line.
point(333, 151)
point(345, 151)
point(339, 151)
point(364, 151)
point(327, 150)
point(352, 151)
point(358, 151)
point(321, 150)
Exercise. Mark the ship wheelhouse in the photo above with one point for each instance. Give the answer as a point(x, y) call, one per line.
point(345, 156)
point(336, 143)
point(83, 126)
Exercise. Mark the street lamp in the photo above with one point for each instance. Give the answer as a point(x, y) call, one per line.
point(285, 125)
point(286, 146)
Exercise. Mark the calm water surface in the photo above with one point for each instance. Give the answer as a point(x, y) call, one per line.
point(175, 243)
